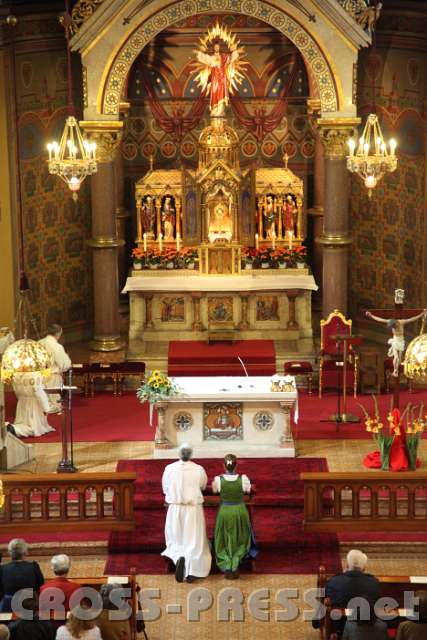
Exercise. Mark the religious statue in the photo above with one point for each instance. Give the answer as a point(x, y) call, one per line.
point(148, 217)
point(397, 341)
point(219, 73)
point(289, 215)
point(168, 218)
point(269, 217)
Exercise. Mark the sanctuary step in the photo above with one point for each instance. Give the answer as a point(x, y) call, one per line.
point(277, 510)
point(198, 358)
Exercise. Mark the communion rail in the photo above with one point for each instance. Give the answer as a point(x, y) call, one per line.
point(372, 501)
point(67, 502)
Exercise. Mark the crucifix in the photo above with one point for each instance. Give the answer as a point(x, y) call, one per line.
point(396, 319)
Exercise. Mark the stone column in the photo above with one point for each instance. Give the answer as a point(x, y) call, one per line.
point(149, 311)
point(197, 325)
point(336, 232)
point(292, 295)
point(104, 241)
point(160, 439)
point(286, 439)
point(244, 298)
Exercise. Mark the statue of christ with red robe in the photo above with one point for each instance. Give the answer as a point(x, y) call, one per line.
point(219, 73)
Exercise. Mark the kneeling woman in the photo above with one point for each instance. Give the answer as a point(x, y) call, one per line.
point(233, 533)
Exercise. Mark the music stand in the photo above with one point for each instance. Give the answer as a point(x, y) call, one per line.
point(343, 416)
point(66, 464)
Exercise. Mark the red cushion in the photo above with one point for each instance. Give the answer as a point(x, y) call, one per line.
point(296, 366)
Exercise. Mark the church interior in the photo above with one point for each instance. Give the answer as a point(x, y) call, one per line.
point(213, 248)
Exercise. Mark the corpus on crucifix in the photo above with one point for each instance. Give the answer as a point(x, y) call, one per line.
point(220, 72)
point(396, 320)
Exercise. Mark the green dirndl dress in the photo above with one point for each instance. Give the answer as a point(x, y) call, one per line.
point(233, 533)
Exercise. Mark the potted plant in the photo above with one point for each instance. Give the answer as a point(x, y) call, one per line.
point(279, 258)
point(154, 258)
point(264, 257)
point(414, 429)
point(300, 255)
point(247, 257)
point(138, 257)
point(188, 257)
point(169, 258)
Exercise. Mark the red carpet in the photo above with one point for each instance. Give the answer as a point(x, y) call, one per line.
point(198, 358)
point(108, 419)
point(277, 511)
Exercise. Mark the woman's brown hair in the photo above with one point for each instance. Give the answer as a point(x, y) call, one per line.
point(76, 626)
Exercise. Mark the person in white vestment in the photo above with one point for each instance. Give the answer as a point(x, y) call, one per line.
point(185, 529)
point(32, 407)
point(60, 363)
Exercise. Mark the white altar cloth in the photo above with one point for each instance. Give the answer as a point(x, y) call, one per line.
point(194, 282)
point(258, 404)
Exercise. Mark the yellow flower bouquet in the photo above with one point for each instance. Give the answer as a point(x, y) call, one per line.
point(157, 386)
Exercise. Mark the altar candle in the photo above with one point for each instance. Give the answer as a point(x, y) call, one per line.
point(49, 148)
point(145, 242)
point(160, 242)
point(273, 240)
point(178, 242)
point(290, 235)
point(256, 241)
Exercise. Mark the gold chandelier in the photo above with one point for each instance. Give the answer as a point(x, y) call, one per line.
point(74, 158)
point(371, 160)
point(25, 356)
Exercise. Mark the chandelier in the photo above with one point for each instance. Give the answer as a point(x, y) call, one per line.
point(25, 356)
point(371, 160)
point(74, 158)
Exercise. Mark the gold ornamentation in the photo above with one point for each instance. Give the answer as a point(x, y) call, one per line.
point(82, 11)
point(25, 356)
point(84, 87)
point(106, 135)
point(313, 55)
point(334, 135)
point(415, 363)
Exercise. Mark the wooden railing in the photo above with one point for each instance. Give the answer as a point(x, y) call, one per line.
point(71, 502)
point(371, 501)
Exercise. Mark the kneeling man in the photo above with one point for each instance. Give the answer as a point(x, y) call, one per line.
point(185, 530)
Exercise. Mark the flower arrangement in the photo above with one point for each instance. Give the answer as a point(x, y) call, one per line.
point(187, 256)
point(410, 430)
point(138, 255)
point(157, 386)
point(168, 258)
point(300, 254)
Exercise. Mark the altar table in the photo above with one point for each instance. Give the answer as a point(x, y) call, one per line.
point(220, 415)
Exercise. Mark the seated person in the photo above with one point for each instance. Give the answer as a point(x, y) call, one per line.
point(61, 566)
point(352, 583)
point(77, 629)
point(18, 574)
point(4, 632)
point(110, 628)
point(364, 624)
point(415, 629)
point(35, 629)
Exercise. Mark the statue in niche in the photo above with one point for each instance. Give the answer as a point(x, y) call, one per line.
point(269, 218)
point(289, 215)
point(168, 218)
point(148, 217)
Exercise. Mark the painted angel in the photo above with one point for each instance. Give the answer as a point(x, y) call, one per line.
point(219, 73)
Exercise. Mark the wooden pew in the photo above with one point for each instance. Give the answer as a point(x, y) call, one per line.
point(390, 587)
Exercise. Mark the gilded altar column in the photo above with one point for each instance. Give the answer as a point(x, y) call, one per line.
point(336, 238)
point(122, 217)
point(317, 210)
point(104, 241)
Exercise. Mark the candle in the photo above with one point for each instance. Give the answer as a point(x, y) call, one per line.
point(352, 146)
point(392, 146)
point(256, 241)
point(49, 148)
point(273, 240)
point(290, 235)
point(178, 242)
point(145, 241)
point(160, 242)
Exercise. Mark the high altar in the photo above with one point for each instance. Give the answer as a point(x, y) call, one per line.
point(218, 247)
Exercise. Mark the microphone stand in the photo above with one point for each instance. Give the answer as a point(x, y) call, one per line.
point(66, 464)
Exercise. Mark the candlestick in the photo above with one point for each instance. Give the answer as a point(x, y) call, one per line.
point(160, 242)
point(273, 240)
point(178, 242)
point(290, 235)
point(256, 241)
point(145, 241)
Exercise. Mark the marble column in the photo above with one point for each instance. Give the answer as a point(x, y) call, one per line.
point(292, 295)
point(336, 238)
point(104, 241)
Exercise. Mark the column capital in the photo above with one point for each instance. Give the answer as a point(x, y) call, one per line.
point(334, 134)
point(107, 135)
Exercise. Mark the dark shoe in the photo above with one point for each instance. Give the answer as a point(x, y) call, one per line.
point(190, 578)
point(180, 570)
point(11, 429)
point(228, 575)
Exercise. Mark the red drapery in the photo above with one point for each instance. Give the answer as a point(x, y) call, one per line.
point(398, 455)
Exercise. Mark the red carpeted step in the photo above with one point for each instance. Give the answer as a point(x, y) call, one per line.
point(198, 358)
point(277, 518)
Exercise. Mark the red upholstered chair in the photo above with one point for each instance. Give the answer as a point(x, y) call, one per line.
point(331, 352)
point(300, 368)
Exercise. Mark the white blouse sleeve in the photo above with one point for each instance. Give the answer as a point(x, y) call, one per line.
point(216, 484)
point(246, 484)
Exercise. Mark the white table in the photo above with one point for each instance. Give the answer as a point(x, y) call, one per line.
point(264, 428)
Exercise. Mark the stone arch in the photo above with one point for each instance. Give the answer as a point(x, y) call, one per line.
point(318, 67)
